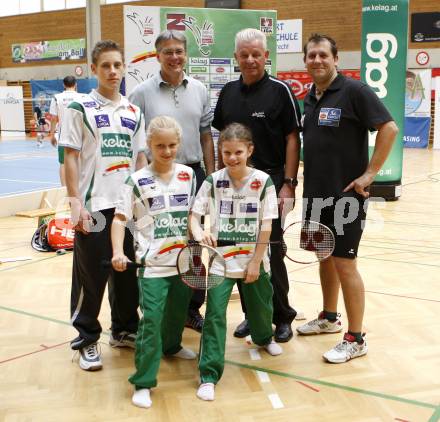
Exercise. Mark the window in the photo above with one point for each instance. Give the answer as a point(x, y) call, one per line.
point(71, 4)
point(10, 8)
point(29, 6)
point(53, 5)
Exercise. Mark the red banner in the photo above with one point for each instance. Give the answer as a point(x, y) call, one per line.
point(300, 82)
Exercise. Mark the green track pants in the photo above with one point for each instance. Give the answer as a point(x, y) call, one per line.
point(164, 305)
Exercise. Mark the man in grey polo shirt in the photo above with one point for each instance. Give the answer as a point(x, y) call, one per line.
point(171, 92)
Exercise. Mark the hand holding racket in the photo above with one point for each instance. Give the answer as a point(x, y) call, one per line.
point(119, 262)
point(199, 266)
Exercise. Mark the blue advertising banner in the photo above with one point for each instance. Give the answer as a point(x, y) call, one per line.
point(44, 90)
point(416, 132)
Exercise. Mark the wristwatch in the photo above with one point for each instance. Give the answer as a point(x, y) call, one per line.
point(291, 181)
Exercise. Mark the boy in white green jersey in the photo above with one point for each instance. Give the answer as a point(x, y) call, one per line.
point(241, 202)
point(103, 138)
point(158, 198)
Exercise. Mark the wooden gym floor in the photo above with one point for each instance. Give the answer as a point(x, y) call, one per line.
point(399, 379)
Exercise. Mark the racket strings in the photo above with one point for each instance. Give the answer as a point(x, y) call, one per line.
point(308, 242)
point(201, 267)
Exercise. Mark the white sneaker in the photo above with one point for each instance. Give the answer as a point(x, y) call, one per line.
point(185, 354)
point(141, 398)
point(90, 358)
point(273, 348)
point(347, 349)
point(320, 325)
point(206, 391)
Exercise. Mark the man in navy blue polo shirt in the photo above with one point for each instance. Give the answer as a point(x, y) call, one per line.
point(267, 106)
point(338, 114)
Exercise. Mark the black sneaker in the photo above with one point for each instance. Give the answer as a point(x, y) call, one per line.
point(195, 321)
point(78, 343)
point(242, 329)
point(123, 339)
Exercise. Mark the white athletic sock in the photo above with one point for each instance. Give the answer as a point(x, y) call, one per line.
point(206, 391)
point(141, 398)
point(273, 348)
point(185, 354)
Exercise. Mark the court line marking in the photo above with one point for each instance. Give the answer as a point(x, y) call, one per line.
point(334, 385)
point(309, 386)
point(263, 377)
point(274, 372)
point(275, 401)
point(43, 349)
point(374, 292)
point(399, 262)
point(254, 354)
point(30, 262)
point(435, 416)
point(28, 181)
point(398, 250)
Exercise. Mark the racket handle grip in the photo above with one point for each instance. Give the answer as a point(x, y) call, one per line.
point(130, 264)
point(226, 243)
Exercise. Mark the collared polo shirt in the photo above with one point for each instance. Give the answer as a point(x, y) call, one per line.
point(109, 135)
point(335, 135)
point(268, 108)
point(188, 103)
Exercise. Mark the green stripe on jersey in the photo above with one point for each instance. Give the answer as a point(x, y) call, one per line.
point(210, 180)
point(89, 192)
point(268, 184)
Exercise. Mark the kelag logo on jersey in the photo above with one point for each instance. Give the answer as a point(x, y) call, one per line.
point(180, 200)
point(125, 122)
point(226, 207)
point(329, 117)
point(90, 104)
point(248, 208)
point(116, 145)
point(156, 203)
point(238, 229)
point(172, 224)
point(102, 120)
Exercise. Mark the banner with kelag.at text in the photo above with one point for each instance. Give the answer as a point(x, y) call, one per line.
point(383, 68)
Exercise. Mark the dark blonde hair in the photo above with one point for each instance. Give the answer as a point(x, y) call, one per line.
point(159, 123)
point(103, 46)
point(236, 131)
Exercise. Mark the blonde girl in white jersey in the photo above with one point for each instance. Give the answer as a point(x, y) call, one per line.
point(158, 198)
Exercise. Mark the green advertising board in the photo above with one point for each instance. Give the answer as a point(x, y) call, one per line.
point(210, 35)
point(70, 49)
point(383, 68)
point(211, 32)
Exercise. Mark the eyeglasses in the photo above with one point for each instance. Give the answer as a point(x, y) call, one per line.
point(171, 52)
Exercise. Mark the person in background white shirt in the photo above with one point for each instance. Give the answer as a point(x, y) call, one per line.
point(58, 105)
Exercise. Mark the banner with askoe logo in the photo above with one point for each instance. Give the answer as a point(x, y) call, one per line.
point(383, 67)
